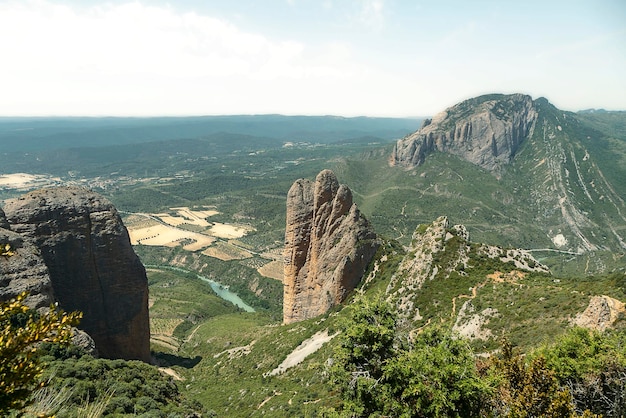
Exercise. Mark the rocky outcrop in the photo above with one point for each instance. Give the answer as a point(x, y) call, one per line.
point(92, 266)
point(601, 313)
point(328, 245)
point(439, 251)
point(4, 224)
point(486, 131)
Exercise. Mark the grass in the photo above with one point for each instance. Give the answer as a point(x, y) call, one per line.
point(235, 384)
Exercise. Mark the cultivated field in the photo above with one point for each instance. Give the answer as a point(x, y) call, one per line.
point(172, 230)
point(24, 181)
point(226, 251)
point(273, 270)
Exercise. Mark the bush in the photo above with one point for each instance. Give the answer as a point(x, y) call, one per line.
point(124, 387)
point(592, 366)
point(528, 389)
point(21, 331)
point(380, 372)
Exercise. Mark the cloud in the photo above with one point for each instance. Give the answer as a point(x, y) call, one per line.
point(372, 13)
point(134, 55)
point(135, 38)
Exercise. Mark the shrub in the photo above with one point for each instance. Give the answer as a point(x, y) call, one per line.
point(430, 375)
point(592, 366)
point(22, 329)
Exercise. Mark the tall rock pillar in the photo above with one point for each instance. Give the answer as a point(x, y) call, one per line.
point(328, 245)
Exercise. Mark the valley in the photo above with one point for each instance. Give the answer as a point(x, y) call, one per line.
point(206, 214)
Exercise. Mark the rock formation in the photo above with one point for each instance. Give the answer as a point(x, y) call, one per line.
point(92, 266)
point(436, 251)
point(328, 245)
point(4, 224)
point(601, 313)
point(22, 269)
point(486, 131)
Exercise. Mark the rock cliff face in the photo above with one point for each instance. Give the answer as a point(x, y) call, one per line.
point(328, 245)
point(486, 131)
point(23, 271)
point(91, 263)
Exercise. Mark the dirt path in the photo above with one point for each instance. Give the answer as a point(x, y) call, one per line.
point(497, 277)
point(473, 296)
point(192, 333)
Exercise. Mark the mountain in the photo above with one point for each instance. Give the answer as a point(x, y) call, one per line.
point(486, 131)
point(517, 171)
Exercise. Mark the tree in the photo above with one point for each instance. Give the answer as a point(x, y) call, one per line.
point(529, 388)
point(431, 375)
point(22, 329)
point(592, 365)
point(365, 345)
point(436, 377)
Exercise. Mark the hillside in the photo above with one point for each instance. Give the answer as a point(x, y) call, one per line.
point(482, 292)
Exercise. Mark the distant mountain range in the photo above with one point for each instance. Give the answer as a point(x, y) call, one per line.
point(36, 134)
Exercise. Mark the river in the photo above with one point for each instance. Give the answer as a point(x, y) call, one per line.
point(221, 290)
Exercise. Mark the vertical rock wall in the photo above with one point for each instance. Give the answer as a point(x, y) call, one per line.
point(486, 131)
point(328, 245)
point(92, 266)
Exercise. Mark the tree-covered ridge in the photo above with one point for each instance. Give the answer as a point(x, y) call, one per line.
point(122, 388)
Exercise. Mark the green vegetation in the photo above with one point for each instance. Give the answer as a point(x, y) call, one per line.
point(528, 388)
point(381, 370)
point(23, 329)
point(380, 373)
point(237, 350)
point(236, 274)
point(593, 366)
point(122, 388)
point(6, 250)
point(380, 364)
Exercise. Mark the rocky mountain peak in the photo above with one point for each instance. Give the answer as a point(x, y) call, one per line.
point(486, 131)
point(326, 186)
point(328, 245)
point(92, 267)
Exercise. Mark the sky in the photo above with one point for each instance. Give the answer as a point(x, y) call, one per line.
point(391, 58)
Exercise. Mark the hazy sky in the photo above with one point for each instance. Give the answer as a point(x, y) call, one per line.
point(340, 57)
